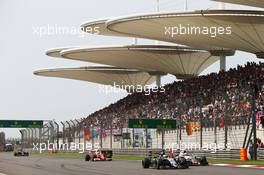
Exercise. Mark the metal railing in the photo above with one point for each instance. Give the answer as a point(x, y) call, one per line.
point(219, 154)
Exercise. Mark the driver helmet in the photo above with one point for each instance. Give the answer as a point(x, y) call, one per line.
point(163, 152)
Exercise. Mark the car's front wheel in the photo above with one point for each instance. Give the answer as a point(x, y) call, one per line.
point(159, 163)
point(87, 158)
point(182, 163)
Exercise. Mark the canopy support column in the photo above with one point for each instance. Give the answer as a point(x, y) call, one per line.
point(135, 41)
point(158, 80)
point(222, 5)
point(222, 54)
point(222, 63)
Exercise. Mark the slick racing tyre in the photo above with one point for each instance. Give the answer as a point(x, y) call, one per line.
point(87, 158)
point(182, 163)
point(203, 161)
point(159, 163)
point(146, 163)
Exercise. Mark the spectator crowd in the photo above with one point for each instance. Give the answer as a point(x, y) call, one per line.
point(207, 98)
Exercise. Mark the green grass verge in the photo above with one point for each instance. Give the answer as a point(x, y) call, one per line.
point(58, 154)
point(115, 157)
point(127, 157)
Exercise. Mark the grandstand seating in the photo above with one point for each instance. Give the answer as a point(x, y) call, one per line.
point(211, 96)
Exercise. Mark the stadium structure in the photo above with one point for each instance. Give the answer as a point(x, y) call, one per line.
point(253, 3)
point(103, 75)
point(224, 108)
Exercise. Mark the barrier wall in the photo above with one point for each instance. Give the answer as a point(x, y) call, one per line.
point(230, 154)
point(235, 138)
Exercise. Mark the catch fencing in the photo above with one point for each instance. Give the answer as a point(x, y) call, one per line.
point(219, 154)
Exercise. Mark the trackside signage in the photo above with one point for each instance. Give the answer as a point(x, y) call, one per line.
point(21, 123)
point(152, 123)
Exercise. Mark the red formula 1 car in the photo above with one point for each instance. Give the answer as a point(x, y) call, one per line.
point(99, 155)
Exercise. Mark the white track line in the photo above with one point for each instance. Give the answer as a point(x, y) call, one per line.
point(239, 166)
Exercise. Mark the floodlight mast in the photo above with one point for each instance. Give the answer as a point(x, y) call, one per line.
point(186, 5)
point(222, 57)
point(158, 77)
point(157, 9)
point(158, 6)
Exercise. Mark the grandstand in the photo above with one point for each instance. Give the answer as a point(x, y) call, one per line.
point(181, 100)
point(202, 102)
point(220, 108)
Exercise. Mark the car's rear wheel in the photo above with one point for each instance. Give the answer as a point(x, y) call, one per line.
point(203, 161)
point(146, 163)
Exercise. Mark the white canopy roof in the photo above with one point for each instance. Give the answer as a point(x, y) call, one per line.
point(98, 27)
point(254, 3)
point(247, 28)
point(56, 51)
point(180, 61)
point(102, 75)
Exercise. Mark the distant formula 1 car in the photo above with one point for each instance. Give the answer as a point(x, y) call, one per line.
point(9, 147)
point(99, 155)
point(164, 161)
point(195, 160)
point(20, 152)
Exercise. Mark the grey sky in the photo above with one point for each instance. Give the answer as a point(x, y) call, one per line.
point(25, 96)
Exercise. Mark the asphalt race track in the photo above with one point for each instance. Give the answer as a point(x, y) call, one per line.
point(42, 165)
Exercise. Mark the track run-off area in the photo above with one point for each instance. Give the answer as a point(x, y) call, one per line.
point(43, 165)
